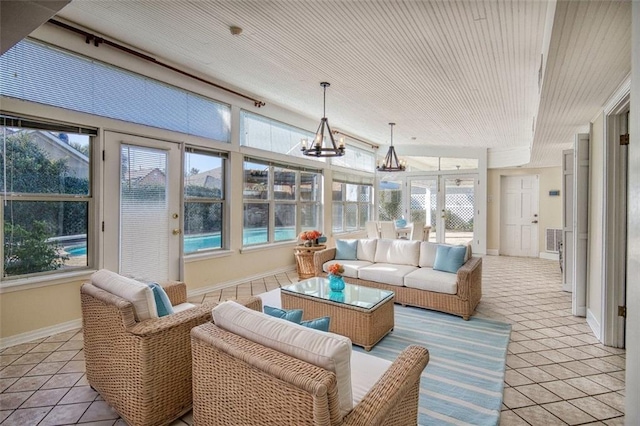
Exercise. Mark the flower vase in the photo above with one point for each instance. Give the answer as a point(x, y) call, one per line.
point(308, 243)
point(336, 282)
point(336, 296)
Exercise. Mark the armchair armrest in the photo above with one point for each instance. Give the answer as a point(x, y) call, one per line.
point(198, 315)
point(395, 395)
point(321, 257)
point(469, 278)
point(176, 290)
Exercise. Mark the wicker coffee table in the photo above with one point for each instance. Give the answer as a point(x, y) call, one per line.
point(363, 314)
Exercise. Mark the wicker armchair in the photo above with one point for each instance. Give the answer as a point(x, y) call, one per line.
point(142, 369)
point(240, 382)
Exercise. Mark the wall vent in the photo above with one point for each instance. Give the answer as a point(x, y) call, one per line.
point(554, 240)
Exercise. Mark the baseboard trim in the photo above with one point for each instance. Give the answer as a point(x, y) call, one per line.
point(204, 290)
point(594, 325)
point(549, 256)
point(40, 333)
point(493, 252)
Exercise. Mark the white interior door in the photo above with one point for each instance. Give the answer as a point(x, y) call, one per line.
point(519, 216)
point(580, 223)
point(142, 207)
point(567, 220)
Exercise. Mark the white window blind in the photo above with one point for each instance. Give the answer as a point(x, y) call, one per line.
point(144, 212)
point(40, 73)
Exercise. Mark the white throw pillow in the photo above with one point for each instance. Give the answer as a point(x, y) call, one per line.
point(139, 294)
point(326, 350)
point(404, 252)
point(367, 250)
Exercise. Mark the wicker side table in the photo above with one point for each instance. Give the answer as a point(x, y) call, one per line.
point(304, 260)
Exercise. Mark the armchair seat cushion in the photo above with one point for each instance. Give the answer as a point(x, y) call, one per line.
point(326, 350)
point(432, 280)
point(351, 267)
point(366, 370)
point(387, 273)
point(183, 307)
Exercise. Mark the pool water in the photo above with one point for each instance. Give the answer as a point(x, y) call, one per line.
point(197, 243)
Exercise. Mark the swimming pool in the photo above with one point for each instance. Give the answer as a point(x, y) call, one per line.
point(195, 243)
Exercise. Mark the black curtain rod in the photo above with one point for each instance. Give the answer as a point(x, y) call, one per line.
point(98, 40)
point(338, 132)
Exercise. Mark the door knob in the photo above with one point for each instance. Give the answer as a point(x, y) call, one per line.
point(176, 231)
point(534, 221)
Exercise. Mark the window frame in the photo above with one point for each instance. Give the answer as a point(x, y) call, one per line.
point(271, 201)
point(345, 204)
point(89, 199)
point(222, 202)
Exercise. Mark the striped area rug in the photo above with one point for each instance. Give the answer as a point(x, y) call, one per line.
point(462, 384)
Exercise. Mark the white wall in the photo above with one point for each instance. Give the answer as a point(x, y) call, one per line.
point(632, 382)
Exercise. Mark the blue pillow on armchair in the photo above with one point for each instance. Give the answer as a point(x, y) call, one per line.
point(449, 258)
point(294, 315)
point(321, 323)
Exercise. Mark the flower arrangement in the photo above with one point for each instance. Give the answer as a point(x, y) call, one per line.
point(310, 235)
point(310, 238)
point(336, 269)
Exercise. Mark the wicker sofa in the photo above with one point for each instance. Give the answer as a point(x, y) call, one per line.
point(252, 369)
point(141, 367)
point(406, 268)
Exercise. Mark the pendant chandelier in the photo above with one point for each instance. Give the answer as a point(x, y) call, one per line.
point(318, 149)
point(391, 162)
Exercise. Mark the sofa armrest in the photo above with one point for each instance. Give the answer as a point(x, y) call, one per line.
point(394, 398)
point(176, 290)
point(321, 257)
point(469, 278)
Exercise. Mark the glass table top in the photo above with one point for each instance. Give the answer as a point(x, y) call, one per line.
point(356, 295)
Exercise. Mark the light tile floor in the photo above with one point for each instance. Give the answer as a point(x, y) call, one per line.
point(557, 372)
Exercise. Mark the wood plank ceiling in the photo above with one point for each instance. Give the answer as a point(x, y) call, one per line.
point(460, 74)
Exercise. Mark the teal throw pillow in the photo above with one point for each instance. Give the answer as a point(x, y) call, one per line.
point(346, 249)
point(294, 315)
point(163, 304)
point(321, 323)
point(449, 258)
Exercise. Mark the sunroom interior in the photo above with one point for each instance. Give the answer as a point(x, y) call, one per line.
point(170, 144)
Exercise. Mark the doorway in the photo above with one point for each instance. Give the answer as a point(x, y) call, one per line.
point(519, 216)
point(446, 202)
point(615, 220)
point(142, 227)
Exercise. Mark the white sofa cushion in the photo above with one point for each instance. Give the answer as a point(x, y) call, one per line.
point(427, 254)
point(351, 267)
point(326, 350)
point(367, 250)
point(432, 280)
point(398, 251)
point(183, 307)
point(139, 294)
point(366, 370)
point(387, 273)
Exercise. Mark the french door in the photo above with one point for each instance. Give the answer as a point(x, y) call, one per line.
point(142, 225)
point(444, 202)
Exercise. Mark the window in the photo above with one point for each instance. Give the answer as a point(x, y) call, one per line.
point(279, 202)
point(204, 201)
point(41, 73)
point(46, 197)
point(271, 135)
point(356, 158)
point(352, 205)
